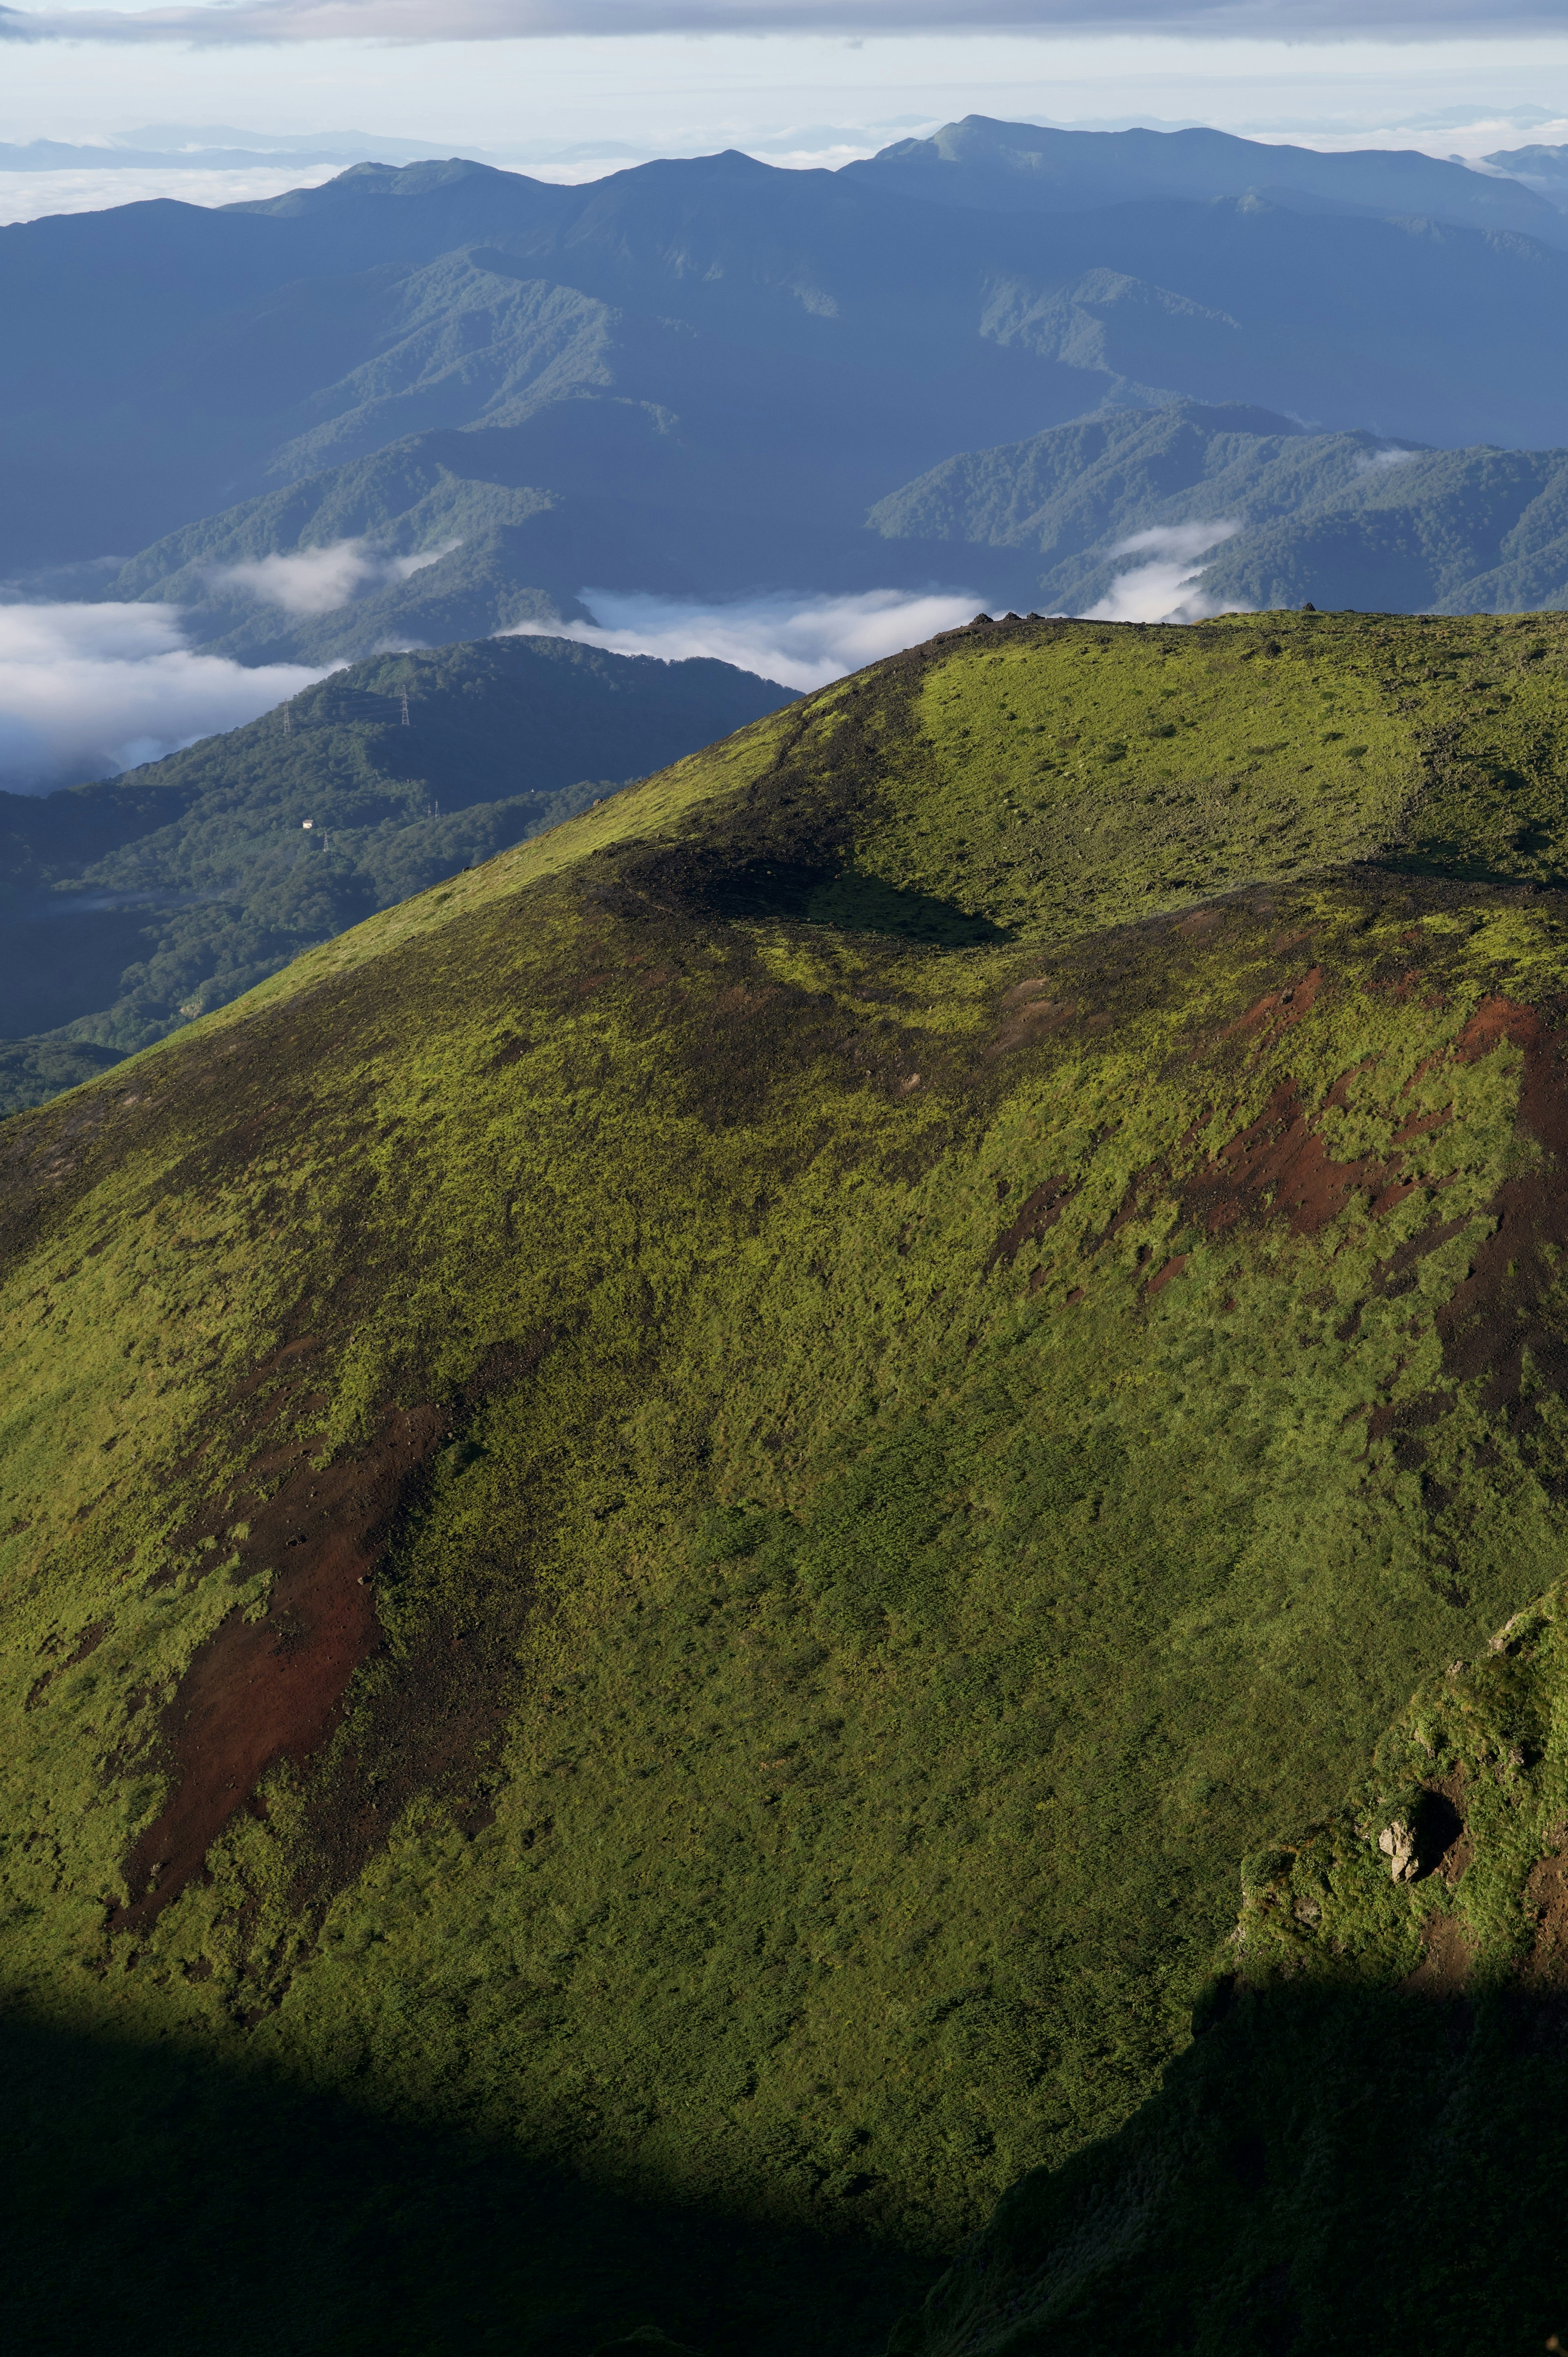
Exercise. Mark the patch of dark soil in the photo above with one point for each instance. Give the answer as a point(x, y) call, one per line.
point(1447, 1954)
point(1277, 1011)
point(1029, 1014)
point(279, 1687)
point(1546, 1905)
point(1401, 1420)
point(1041, 1210)
point(1280, 1167)
point(429, 1725)
point(1498, 1316)
point(1175, 1268)
point(274, 1688)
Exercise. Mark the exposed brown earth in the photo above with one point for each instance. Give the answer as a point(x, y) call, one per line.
point(1041, 1210)
point(274, 1688)
point(1546, 1903)
point(1449, 1952)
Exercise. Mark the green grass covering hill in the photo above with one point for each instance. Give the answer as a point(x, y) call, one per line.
point(673, 1517)
point(134, 906)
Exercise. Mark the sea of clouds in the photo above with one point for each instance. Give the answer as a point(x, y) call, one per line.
point(321, 580)
point(799, 640)
point(88, 690)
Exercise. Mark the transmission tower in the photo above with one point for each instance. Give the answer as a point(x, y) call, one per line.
point(407, 722)
point(288, 720)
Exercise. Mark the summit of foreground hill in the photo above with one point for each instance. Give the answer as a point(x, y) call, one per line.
point(686, 1529)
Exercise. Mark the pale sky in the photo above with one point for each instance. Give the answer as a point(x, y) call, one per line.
point(681, 92)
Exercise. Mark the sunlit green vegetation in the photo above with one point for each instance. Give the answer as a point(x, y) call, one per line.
point(893, 1316)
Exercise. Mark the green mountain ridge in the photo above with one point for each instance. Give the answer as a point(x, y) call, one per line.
point(1338, 519)
point(672, 1517)
point(1341, 521)
point(133, 906)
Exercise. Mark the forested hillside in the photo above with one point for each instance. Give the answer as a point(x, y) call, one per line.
point(1337, 520)
point(134, 906)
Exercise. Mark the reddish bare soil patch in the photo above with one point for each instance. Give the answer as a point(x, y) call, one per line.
point(1546, 1902)
point(260, 1691)
point(1173, 1268)
point(1280, 1163)
point(1040, 1210)
point(1445, 1967)
point(1277, 1010)
point(1029, 1015)
point(1498, 1314)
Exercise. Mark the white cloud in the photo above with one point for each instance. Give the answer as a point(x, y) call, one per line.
point(251, 21)
point(1371, 462)
point(319, 580)
point(89, 690)
point(30, 195)
point(800, 641)
point(1164, 588)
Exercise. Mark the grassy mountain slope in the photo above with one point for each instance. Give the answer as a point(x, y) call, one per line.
point(1382, 2053)
point(670, 1517)
point(134, 906)
point(1342, 520)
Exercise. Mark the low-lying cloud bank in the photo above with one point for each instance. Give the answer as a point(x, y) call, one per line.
point(89, 690)
point(1167, 586)
point(320, 580)
point(797, 639)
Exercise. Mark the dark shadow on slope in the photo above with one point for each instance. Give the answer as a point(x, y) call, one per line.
point(851, 903)
point(32, 1070)
point(1324, 2168)
point(167, 2205)
point(1533, 857)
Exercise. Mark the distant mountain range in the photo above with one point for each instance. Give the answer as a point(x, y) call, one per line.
point(1544, 170)
point(710, 370)
point(1020, 167)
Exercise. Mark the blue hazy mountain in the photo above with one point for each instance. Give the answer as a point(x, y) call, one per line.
point(795, 345)
point(1544, 170)
point(1023, 167)
point(1338, 520)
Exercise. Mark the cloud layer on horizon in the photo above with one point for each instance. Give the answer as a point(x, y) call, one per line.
point(799, 640)
point(235, 22)
point(89, 690)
